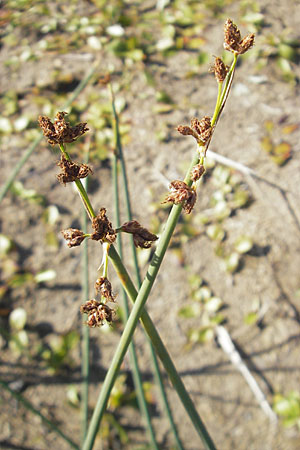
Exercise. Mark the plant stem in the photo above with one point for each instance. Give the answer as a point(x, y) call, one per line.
point(119, 156)
point(85, 334)
point(132, 351)
point(36, 142)
point(126, 337)
point(35, 411)
point(81, 189)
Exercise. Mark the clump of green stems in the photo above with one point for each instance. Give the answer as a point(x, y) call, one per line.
point(236, 45)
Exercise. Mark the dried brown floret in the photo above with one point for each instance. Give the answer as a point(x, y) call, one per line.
point(73, 236)
point(141, 236)
point(201, 130)
point(60, 132)
point(102, 227)
point(197, 172)
point(219, 69)
point(181, 193)
point(246, 43)
point(103, 286)
point(89, 306)
point(233, 41)
point(98, 313)
point(71, 171)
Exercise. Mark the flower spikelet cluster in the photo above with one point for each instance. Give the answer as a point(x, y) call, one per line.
point(233, 41)
point(201, 130)
point(71, 171)
point(73, 236)
point(141, 236)
point(98, 313)
point(60, 131)
point(181, 193)
point(103, 230)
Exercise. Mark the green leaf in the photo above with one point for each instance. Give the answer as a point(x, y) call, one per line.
point(215, 232)
point(251, 318)
point(243, 244)
point(267, 144)
point(190, 311)
point(17, 319)
point(45, 275)
point(200, 335)
point(232, 262)
point(213, 304)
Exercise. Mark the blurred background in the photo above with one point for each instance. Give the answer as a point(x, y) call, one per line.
point(233, 264)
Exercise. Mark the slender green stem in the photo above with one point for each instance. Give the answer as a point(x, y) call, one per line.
point(137, 311)
point(132, 351)
point(119, 155)
point(35, 411)
point(218, 102)
point(36, 142)
point(85, 333)
point(81, 189)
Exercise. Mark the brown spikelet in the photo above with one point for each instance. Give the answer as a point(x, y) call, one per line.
point(73, 236)
point(197, 172)
point(219, 69)
point(102, 227)
point(60, 131)
point(233, 41)
point(103, 286)
point(141, 236)
point(71, 171)
point(181, 193)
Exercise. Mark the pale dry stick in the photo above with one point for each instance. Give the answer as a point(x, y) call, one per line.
point(229, 348)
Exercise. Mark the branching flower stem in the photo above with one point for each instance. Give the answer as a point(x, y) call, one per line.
point(140, 299)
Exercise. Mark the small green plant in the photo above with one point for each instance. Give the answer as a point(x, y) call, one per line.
point(288, 407)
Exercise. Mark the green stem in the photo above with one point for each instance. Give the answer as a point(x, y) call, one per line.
point(85, 333)
point(35, 411)
point(137, 311)
point(137, 379)
point(119, 155)
point(81, 189)
point(36, 142)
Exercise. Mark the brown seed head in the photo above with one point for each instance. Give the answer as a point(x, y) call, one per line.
point(233, 41)
point(73, 236)
point(181, 193)
point(103, 286)
point(220, 70)
point(141, 236)
point(102, 227)
point(197, 172)
point(98, 316)
point(60, 132)
point(89, 307)
point(200, 129)
point(246, 43)
point(71, 171)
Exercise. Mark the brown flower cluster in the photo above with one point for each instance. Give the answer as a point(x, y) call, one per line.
point(103, 230)
point(197, 172)
point(141, 236)
point(73, 236)
point(71, 171)
point(219, 69)
point(201, 130)
point(98, 313)
point(181, 193)
point(233, 41)
point(60, 131)
point(104, 288)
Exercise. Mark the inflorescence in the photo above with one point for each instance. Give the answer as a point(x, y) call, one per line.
point(181, 193)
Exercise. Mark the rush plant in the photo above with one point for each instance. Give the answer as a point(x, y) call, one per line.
point(183, 195)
